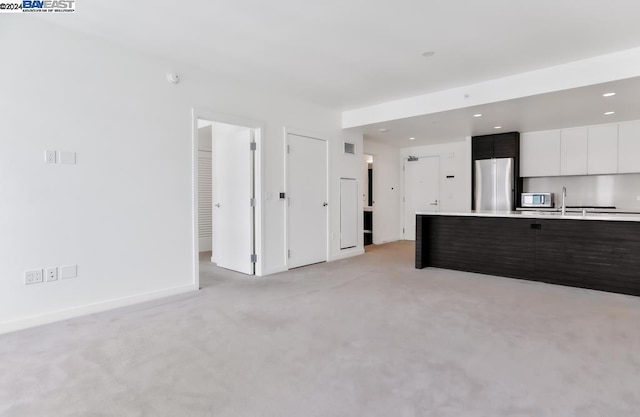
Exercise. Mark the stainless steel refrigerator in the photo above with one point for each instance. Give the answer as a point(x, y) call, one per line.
point(494, 184)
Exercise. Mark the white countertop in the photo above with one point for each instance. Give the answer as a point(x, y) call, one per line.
point(628, 217)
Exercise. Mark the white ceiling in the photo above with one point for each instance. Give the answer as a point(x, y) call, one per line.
point(351, 53)
point(568, 108)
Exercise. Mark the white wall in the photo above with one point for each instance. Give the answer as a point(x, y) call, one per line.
point(123, 214)
point(455, 160)
point(455, 193)
point(387, 195)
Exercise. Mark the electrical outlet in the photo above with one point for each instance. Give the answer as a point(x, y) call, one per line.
point(50, 157)
point(52, 274)
point(33, 277)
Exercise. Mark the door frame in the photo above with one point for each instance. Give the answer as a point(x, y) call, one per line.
point(359, 211)
point(316, 136)
point(258, 129)
point(404, 191)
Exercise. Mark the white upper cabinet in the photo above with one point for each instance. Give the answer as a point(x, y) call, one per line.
point(573, 151)
point(540, 154)
point(603, 149)
point(629, 147)
point(588, 150)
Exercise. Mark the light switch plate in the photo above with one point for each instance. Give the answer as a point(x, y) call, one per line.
point(33, 277)
point(67, 158)
point(68, 271)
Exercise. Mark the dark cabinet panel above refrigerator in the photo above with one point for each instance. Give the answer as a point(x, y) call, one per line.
point(502, 145)
point(482, 147)
point(506, 145)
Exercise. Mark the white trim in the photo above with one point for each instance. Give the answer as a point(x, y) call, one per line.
point(276, 270)
point(84, 310)
point(195, 249)
point(311, 135)
point(347, 253)
point(258, 128)
point(360, 210)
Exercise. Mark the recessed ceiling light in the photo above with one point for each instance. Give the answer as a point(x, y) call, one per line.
point(383, 130)
point(428, 54)
point(497, 127)
point(608, 94)
point(477, 115)
point(412, 138)
point(609, 113)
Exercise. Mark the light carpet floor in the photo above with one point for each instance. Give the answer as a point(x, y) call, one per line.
point(366, 336)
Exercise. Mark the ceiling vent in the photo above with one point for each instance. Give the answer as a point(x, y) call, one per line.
point(350, 148)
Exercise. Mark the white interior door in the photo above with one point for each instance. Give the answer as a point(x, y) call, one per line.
point(233, 217)
point(307, 200)
point(421, 191)
point(348, 213)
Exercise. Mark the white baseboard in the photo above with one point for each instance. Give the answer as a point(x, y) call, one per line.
point(24, 323)
point(386, 240)
point(347, 253)
point(271, 271)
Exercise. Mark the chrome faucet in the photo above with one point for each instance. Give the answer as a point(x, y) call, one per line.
point(564, 198)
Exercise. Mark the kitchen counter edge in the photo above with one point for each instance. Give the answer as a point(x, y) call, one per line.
point(539, 215)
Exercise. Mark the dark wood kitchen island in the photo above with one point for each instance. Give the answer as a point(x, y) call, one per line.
point(600, 252)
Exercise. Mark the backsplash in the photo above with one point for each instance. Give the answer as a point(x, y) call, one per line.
point(621, 190)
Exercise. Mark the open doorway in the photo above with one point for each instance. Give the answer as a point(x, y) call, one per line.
point(367, 198)
point(227, 212)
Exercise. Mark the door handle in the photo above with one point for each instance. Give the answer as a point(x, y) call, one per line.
point(218, 205)
point(325, 204)
point(434, 204)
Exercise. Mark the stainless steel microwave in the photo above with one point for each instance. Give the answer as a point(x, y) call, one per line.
point(536, 200)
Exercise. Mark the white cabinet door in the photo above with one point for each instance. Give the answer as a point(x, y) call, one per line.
point(307, 211)
point(629, 147)
point(573, 151)
point(603, 149)
point(540, 154)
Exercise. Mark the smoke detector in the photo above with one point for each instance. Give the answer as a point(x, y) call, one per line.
point(173, 78)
